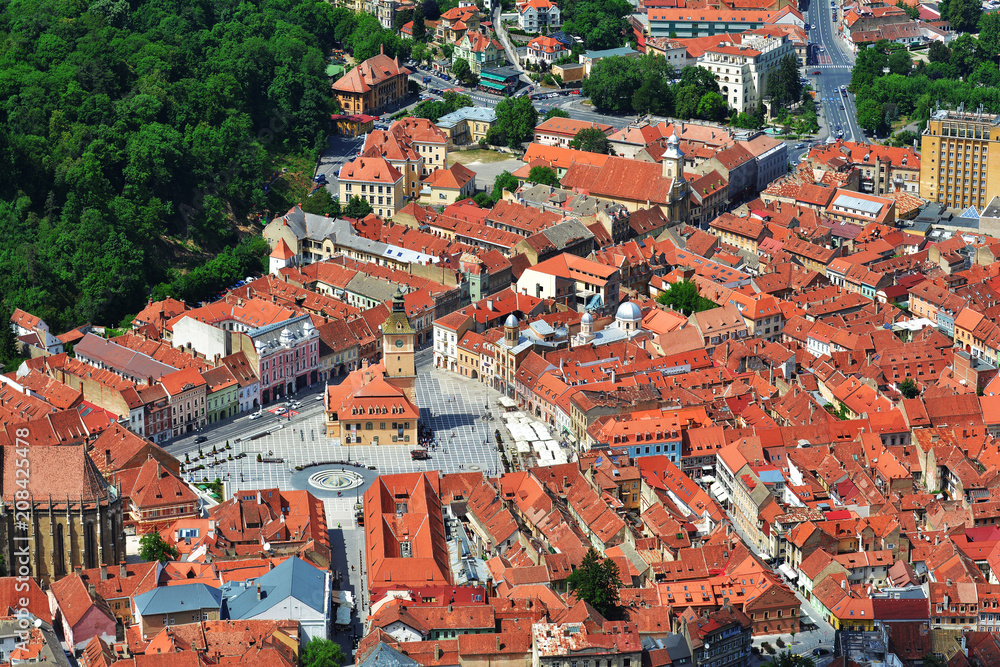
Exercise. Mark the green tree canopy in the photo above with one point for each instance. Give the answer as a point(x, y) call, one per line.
point(137, 138)
point(908, 388)
point(504, 181)
point(964, 15)
point(357, 208)
point(684, 298)
point(712, 106)
point(543, 176)
point(153, 547)
point(556, 112)
point(625, 85)
point(516, 120)
point(597, 582)
point(419, 27)
point(323, 653)
point(592, 140)
point(460, 68)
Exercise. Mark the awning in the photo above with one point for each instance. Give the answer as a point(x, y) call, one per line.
point(507, 402)
point(343, 616)
point(789, 573)
point(494, 86)
point(719, 492)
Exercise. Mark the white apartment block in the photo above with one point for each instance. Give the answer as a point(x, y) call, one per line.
point(742, 68)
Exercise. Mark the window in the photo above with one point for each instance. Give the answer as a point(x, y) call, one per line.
point(368, 426)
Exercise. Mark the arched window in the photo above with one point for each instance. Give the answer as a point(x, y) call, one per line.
point(368, 426)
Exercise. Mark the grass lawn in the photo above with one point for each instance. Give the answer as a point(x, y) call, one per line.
point(477, 155)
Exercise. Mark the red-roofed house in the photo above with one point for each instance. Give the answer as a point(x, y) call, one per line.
point(533, 15)
point(446, 186)
point(371, 85)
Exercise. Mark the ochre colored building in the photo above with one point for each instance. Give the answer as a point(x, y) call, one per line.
point(375, 405)
point(371, 85)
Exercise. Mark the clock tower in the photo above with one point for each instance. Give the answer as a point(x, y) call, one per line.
point(398, 338)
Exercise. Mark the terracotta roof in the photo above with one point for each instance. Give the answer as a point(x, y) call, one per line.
point(369, 73)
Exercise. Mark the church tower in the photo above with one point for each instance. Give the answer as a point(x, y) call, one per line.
point(398, 338)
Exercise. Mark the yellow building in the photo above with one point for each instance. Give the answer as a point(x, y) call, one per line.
point(468, 125)
point(414, 146)
point(372, 85)
point(446, 186)
point(960, 159)
point(375, 405)
point(373, 178)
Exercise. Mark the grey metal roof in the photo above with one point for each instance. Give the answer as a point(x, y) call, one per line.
point(386, 656)
point(371, 288)
point(567, 231)
point(121, 358)
point(173, 599)
point(452, 119)
point(858, 204)
point(294, 578)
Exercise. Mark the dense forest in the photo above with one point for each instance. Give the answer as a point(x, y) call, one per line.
point(136, 137)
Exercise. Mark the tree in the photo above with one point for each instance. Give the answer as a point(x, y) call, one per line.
point(964, 15)
point(592, 140)
point(596, 581)
point(323, 653)
point(934, 660)
point(908, 388)
point(871, 116)
point(900, 62)
point(432, 10)
point(556, 112)
point(357, 208)
point(789, 659)
point(516, 120)
point(419, 28)
point(483, 200)
point(543, 176)
point(321, 202)
point(912, 11)
point(712, 106)
point(939, 52)
point(460, 68)
point(8, 343)
point(654, 96)
point(504, 181)
point(153, 547)
point(683, 297)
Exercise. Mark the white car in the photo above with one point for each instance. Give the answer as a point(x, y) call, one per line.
point(257, 415)
point(280, 411)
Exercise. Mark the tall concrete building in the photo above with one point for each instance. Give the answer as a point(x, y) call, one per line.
point(960, 159)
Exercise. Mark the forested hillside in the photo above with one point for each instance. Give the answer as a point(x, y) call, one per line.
point(136, 134)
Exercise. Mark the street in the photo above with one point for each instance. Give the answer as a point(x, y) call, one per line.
point(831, 57)
point(805, 642)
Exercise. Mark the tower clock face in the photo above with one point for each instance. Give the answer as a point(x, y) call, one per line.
point(399, 342)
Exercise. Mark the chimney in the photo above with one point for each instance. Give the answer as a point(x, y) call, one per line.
point(122, 570)
point(107, 457)
point(437, 651)
point(258, 591)
point(104, 572)
point(498, 643)
point(449, 607)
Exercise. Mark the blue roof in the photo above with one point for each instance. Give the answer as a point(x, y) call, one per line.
point(770, 476)
point(970, 212)
point(294, 578)
point(608, 53)
point(386, 656)
point(173, 599)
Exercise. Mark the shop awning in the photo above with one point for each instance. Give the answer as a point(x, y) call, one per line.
point(494, 86)
point(789, 573)
point(719, 492)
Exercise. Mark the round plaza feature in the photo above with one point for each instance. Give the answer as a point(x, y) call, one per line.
point(336, 480)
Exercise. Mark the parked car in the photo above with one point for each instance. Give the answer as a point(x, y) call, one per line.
point(419, 455)
point(256, 415)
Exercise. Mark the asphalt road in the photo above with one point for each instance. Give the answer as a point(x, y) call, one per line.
point(832, 58)
point(243, 427)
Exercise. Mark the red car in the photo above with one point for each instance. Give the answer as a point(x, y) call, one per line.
point(817, 72)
